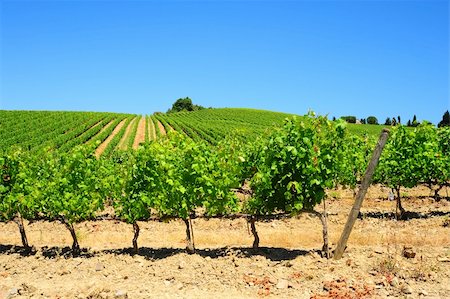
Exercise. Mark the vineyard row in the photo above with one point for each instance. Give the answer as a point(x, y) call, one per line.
point(287, 171)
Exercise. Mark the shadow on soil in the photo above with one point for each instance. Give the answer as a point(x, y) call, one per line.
point(23, 251)
point(271, 253)
point(47, 252)
point(405, 216)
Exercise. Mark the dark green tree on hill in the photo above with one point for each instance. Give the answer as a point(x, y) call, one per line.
point(388, 121)
point(349, 119)
point(415, 123)
point(445, 122)
point(184, 104)
point(372, 120)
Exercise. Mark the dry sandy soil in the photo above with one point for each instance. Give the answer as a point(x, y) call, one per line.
point(162, 130)
point(140, 134)
point(288, 265)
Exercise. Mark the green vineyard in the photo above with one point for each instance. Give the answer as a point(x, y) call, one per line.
point(36, 130)
point(191, 164)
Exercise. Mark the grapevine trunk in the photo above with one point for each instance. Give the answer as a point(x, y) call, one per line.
point(399, 210)
point(254, 232)
point(436, 193)
point(23, 235)
point(190, 247)
point(75, 246)
point(136, 235)
point(325, 247)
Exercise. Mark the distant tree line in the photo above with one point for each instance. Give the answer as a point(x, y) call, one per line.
point(445, 122)
point(393, 121)
point(372, 120)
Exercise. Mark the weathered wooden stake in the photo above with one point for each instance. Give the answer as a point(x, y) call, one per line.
point(339, 251)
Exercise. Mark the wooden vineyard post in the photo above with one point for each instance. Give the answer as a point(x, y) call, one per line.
point(340, 247)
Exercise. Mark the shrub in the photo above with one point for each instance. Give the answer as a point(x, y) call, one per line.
point(372, 120)
point(349, 119)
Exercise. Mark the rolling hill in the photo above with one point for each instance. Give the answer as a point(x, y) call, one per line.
point(107, 132)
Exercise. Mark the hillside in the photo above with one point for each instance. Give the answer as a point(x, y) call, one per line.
point(214, 124)
point(107, 132)
point(370, 130)
point(35, 130)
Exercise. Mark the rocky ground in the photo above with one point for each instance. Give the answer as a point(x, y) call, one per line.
point(384, 258)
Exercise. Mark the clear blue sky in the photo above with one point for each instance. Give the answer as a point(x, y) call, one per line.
point(382, 58)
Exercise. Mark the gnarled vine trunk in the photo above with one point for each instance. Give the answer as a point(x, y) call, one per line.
point(75, 246)
point(437, 197)
point(190, 246)
point(252, 221)
point(399, 210)
point(324, 219)
point(136, 236)
point(19, 221)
